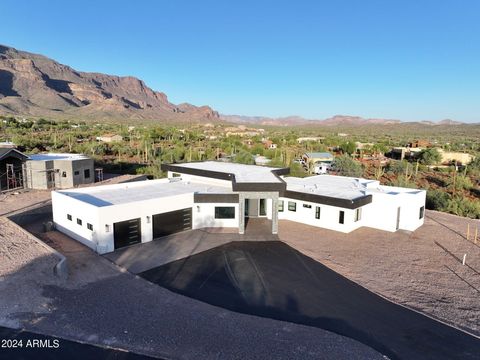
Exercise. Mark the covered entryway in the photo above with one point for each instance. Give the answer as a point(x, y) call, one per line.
point(172, 222)
point(256, 216)
point(127, 233)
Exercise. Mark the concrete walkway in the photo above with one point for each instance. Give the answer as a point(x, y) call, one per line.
point(141, 257)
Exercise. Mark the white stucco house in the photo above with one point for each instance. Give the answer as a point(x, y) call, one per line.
point(217, 194)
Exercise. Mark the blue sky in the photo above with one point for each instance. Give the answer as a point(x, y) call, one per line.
point(402, 59)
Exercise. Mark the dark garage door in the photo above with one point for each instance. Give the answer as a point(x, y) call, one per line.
point(172, 222)
point(127, 233)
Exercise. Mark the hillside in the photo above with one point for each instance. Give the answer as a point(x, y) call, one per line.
point(34, 85)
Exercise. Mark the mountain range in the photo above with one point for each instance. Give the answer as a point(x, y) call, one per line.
point(337, 120)
point(33, 85)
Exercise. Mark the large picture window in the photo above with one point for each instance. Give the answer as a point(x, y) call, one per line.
point(224, 212)
point(292, 206)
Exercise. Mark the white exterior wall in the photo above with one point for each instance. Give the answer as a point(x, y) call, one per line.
point(141, 209)
point(329, 216)
point(382, 212)
point(63, 205)
point(203, 215)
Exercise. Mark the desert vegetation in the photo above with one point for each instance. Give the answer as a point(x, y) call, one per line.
point(452, 188)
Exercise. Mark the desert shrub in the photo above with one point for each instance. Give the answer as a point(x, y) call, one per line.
point(344, 165)
point(437, 200)
point(244, 157)
point(429, 156)
point(461, 206)
point(460, 182)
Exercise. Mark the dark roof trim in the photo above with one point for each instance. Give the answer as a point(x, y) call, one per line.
point(197, 172)
point(6, 152)
point(215, 198)
point(327, 200)
point(236, 186)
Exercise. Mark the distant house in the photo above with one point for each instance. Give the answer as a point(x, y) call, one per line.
point(420, 144)
point(457, 157)
point(109, 138)
point(7, 145)
point(317, 157)
point(309, 138)
point(269, 144)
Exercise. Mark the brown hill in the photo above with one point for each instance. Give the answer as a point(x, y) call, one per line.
point(34, 85)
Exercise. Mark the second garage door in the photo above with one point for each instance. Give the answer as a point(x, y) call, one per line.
point(172, 222)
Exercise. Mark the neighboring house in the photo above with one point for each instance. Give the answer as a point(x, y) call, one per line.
point(309, 138)
point(420, 144)
point(7, 145)
point(109, 138)
point(59, 171)
point(12, 173)
point(262, 160)
point(321, 168)
point(269, 144)
point(449, 157)
point(317, 157)
point(216, 195)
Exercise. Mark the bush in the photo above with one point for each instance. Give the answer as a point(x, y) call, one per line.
point(344, 165)
point(437, 200)
point(244, 157)
point(430, 156)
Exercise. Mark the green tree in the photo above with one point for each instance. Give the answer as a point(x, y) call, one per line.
point(244, 157)
point(346, 166)
point(348, 147)
point(429, 156)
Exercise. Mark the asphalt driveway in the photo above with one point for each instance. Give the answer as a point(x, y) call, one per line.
point(271, 279)
point(24, 345)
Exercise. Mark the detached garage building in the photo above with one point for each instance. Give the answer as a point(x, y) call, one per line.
point(217, 194)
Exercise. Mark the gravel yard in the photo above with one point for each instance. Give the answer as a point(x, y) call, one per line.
point(421, 270)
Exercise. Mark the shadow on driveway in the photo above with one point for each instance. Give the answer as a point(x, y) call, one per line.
point(271, 279)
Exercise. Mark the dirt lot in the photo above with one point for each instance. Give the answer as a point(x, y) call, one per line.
point(421, 270)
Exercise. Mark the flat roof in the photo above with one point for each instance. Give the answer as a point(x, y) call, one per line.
point(125, 193)
point(243, 173)
point(341, 187)
point(57, 156)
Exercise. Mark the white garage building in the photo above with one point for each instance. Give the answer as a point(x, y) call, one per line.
point(217, 194)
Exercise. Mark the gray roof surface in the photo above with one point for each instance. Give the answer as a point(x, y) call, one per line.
point(243, 173)
point(140, 191)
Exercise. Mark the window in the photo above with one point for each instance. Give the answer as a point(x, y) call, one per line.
point(64, 174)
point(76, 173)
point(280, 206)
point(89, 226)
point(292, 206)
point(358, 214)
point(317, 212)
point(86, 173)
point(422, 212)
point(307, 206)
point(176, 175)
point(341, 217)
point(224, 212)
point(69, 217)
point(79, 221)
